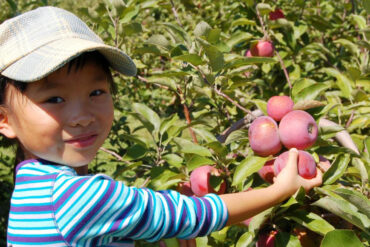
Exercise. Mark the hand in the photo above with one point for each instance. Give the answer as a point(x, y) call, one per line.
point(288, 180)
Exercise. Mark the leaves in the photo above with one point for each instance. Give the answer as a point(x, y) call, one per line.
point(188, 147)
point(341, 238)
point(337, 169)
point(247, 167)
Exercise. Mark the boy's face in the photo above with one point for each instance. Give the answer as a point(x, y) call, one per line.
point(63, 118)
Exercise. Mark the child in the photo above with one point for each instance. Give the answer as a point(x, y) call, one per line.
point(56, 104)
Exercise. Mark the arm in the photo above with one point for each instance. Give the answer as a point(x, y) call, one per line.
point(244, 205)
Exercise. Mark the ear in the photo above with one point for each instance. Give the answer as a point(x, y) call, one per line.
point(5, 127)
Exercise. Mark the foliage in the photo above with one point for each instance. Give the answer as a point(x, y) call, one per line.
point(194, 82)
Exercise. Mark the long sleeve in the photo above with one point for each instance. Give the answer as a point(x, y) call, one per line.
point(96, 210)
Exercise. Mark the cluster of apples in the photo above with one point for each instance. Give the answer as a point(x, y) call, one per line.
point(286, 127)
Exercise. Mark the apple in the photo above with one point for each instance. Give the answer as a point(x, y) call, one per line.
point(298, 129)
point(277, 14)
point(262, 49)
point(200, 181)
point(279, 106)
point(266, 239)
point(267, 171)
point(185, 188)
point(264, 136)
point(248, 54)
point(306, 164)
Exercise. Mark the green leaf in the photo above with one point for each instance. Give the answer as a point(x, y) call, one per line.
point(356, 198)
point(337, 169)
point(345, 210)
point(194, 161)
point(202, 29)
point(366, 4)
point(164, 179)
point(264, 8)
point(159, 40)
point(135, 152)
point(343, 82)
point(238, 37)
point(177, 32)
point(162, 80)
point(216, 58)
point(258, 220)
point(311, 92)
point(242, 61)
point(360, 166)
point(194, 59)
point(148, 114)
point(243, 21)
point(341, 238)
point(213, 37)
point(284, 239)
point(301, 84)
point(173, 160)
point(188, 147)
point(358, 20)
point(352, 48)
point(167, 123)
point(237, 135)
point(245, 240)
point(311, 221)
point(247, 167)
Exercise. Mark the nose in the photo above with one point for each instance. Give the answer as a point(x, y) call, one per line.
point(80, 114)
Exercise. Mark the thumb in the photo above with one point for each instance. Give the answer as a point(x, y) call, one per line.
point(293, 159)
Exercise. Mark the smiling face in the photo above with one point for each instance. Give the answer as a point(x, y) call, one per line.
point(64, 117)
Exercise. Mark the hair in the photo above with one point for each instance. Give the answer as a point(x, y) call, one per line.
point(75, 64)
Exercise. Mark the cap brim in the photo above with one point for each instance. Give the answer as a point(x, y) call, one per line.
point(49, 58)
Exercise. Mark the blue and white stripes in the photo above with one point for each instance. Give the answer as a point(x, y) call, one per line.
point(52, 206)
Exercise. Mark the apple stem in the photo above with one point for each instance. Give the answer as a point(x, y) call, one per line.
point(266, 36)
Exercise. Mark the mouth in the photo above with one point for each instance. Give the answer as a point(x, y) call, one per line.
point(82, 141)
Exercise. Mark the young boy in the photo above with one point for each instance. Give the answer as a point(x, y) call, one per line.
point(56, 104)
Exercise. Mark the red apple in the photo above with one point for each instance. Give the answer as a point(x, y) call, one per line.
point(248, 53)
point(266, 239)
point(262, 49)
point(267, 171)
point(185, 188)
point(298, 129)
point(200, 181)
point(277, 14)
point(306, 164)
point(264, 136)
point(279, 106)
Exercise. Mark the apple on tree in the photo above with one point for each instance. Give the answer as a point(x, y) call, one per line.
point(276, 14)
point(200, 181)
point(306, 164)
point(298, 129)
point(267, 171)
point(264, 136)
point(262, 48)
point(279, 106)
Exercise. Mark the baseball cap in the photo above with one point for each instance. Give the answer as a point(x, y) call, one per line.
point(39, 42)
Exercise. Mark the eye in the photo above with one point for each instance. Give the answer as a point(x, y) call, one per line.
point(97, 92)
point(55, 100)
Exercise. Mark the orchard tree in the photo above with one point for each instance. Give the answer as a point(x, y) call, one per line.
point(207, 70)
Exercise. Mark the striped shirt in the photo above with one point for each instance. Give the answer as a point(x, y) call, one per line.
point(52, 206)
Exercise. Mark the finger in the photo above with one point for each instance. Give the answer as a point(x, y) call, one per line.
point(313, 182)
point(293, 159)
